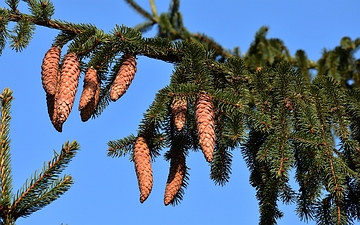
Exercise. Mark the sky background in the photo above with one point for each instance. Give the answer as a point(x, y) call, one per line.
point(105, 189)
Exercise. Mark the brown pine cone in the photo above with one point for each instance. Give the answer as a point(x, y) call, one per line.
point(179, 109)
point(49, 69)
point(204, 115)
point(176, 177)
point(90, 94)
point(124, 77)
point(69, 79)
point(143, 169)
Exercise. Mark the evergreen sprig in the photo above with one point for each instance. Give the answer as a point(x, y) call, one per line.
point(4, 34)
point(5, 157)
point(21, 35)
point(13, 4)
point(43, 187)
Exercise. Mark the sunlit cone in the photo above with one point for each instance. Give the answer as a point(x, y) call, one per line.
point(49, 70)
point(179, 108)
point(142, 162)
point(124, 77)
point(65, 96)
point(176, 177)
point(90, 94)
point(204, 114)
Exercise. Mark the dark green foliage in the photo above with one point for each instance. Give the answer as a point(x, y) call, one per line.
point(42, 188)
point(13, 4)
point(5, 163)
point(41, 9)
point(287, 114)
point(4, 14)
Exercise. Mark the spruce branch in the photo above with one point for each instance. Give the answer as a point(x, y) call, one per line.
point(13, 4)
point(265, 101)
point(45, 197)
point(5, 156)
point(4, 34)
point(221, 166)
point(174, 8)
point(42, 188)
point(140, 10)
point(153, 8)
point(143, 27)
point(23, 32)
point(43, 180)
point(121, 147)
point(54, 24)
point(212, 45)
point(41, 9)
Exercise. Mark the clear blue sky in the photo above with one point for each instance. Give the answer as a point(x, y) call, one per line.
point(105, 189)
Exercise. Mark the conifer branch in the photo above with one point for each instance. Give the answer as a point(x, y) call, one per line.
point(174, 8)
point(143, 27)
point(42, 188)
point(45, 197)
point(44, 180)
point(5, 157)
point(140, 10)
point(153, 8)
point(218, 48)
point(221, 166)
point(54, 24)
point(13, 4)
point(121, 147)
point(282, 116)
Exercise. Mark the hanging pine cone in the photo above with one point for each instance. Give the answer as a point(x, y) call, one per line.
point(49, 70)
point(124, 77)
point(179, 108)
point(69, 79)
point(176, 177)
point(90, 94)
point(204, 114)
point(142, 162)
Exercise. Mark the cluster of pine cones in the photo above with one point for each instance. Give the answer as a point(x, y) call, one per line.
point(60, 83)
point(204, 115)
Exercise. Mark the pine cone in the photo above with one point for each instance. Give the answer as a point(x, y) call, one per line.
point(49, 70)
point(69, 79)
point(176, 177)
point(204, 114)
point(90, 94)
point(142, 162)
point(179, 108)
point(124, 77)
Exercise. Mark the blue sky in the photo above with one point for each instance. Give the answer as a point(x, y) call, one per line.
point(105, 189)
